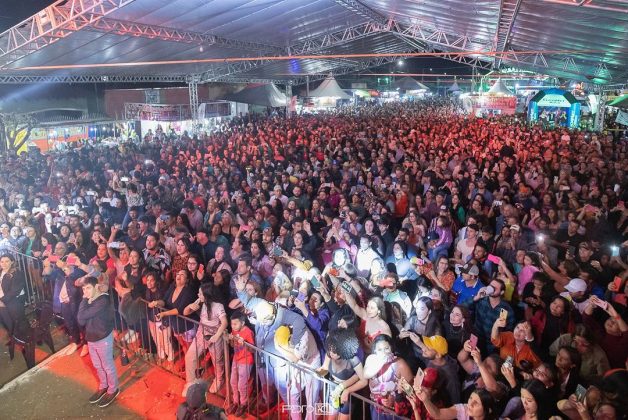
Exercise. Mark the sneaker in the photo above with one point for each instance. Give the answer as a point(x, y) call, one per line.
point(97, 396)
point(84, 350)
point(241, 411)
point(108, 399)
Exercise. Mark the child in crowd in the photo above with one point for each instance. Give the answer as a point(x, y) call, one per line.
point(241, 363)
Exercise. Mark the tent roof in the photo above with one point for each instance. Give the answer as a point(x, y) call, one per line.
point(585, 40)
point(409, 83)
point(499, 88)
point(572, 99)
point(329, 88)
point(454, 87)
point(621, 102)
point(263, 95)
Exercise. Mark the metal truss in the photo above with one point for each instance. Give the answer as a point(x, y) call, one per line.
point(27, 79)
point(193, 94)
point(336, 38)
point(53, 23)
point(120, 27)
point(364, 65)
point(508, 10)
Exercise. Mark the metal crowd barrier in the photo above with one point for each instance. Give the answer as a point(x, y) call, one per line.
point(175, 344)
point(179, 345)
point(36, 289)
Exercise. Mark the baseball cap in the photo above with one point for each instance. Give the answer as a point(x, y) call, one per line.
point(437, 343)
point(470, 269)
point(576, 285)
point(515, 227)
point(443, 208)
point(282, 336)
point(430, 377)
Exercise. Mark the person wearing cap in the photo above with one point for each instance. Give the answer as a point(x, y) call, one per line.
point(576, 293)
point(271, 371)
point(467, 285)
point(305, 354)
point(435, 350)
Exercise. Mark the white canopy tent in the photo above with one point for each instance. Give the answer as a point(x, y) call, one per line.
point(329, 88)
point(499, 89)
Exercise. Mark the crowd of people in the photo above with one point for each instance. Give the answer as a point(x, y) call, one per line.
point(441, 265)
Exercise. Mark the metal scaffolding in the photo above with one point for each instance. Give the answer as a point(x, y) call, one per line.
point(508, 10)
point(53, 23)
point(124, 28)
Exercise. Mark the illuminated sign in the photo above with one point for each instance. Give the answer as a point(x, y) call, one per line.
point(554, 99)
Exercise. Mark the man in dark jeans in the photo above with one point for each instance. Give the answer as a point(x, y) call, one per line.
point(95, 314)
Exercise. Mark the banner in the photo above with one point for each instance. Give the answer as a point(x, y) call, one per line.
point(153, 112)
point(505, 105)
point(622, 117)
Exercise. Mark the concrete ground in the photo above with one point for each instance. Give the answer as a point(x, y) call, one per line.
point(11, 369)
point(59, 388)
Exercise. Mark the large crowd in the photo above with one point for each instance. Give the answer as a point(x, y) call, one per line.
point(441, 265)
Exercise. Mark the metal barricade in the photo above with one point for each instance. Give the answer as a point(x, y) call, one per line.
point(36, 289)
point(181, 346)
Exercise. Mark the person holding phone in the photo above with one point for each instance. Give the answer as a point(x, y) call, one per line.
point(516, 344)
point(489, 306)
point(613, 337)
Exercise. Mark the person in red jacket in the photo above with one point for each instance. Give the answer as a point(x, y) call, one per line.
point(241, 363)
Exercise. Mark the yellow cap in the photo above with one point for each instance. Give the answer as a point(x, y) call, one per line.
point(282, 336)
point(437, 343)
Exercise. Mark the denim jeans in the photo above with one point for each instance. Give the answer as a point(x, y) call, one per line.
point(101, 353)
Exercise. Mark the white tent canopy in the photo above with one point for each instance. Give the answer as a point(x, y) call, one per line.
point(499, 88)
point(329, 88)
point(407, 83)
point(263, 95)
point(454, 87)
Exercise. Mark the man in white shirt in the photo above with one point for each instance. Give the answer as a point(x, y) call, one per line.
point(365, 257)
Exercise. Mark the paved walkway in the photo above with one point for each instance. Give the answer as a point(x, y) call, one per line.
point(59, 388)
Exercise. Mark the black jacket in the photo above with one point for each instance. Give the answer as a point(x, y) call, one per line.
point(96, 317)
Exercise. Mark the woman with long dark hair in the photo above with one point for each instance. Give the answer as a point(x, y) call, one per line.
point(345, 369)
point(383, 369)
point(479, 407)
point(12, 299)
point(550, 323)
point(537, 402)
point(209, 336)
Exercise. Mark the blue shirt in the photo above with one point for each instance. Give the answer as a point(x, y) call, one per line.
point(486, 315)
point(464, 292)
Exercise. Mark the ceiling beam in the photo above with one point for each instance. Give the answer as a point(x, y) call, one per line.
point(53, 23)
point(17, 79)
point(125, 28)
point(508, 10)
